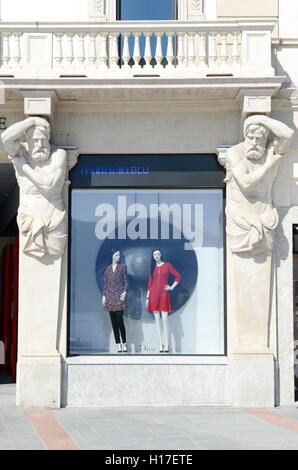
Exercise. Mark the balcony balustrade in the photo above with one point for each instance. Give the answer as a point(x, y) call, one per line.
point(128, 49)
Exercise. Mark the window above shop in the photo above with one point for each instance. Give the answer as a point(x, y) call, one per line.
point(133, 10)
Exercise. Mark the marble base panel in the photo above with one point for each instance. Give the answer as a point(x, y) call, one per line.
point(39, 385)
point(240, 383)
point(146, 385)
point(251, 383)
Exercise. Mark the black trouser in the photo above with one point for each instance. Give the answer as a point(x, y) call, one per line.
point(118, 326)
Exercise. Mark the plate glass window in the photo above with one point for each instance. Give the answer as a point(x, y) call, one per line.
point(186, 226)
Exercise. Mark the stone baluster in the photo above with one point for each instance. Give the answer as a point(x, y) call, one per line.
point(114, 58)
point(136, 51)
point(103, 54)
point(126, 53)
point(58, 53)
point(147, 52)
point(235, 49)
point(158, 52)
point(180, 52)
point(17, 55)
point(81, 50)
point(212, 50)
point(191, 50)
point(224, 50)
point(170, 50)
point(203, 50)
point(92, 50)
point(69, 56)
point(6, 50)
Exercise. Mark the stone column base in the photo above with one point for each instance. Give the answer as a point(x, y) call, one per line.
point(251, 381)
point(39, 382)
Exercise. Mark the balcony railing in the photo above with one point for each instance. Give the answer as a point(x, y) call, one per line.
point(128, 49)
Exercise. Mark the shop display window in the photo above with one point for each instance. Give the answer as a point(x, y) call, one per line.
point(184, 226)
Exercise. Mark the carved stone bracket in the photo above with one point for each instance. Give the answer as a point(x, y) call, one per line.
point(256, 101)
point(41, 103)
point(222, 154)
point(72, 157)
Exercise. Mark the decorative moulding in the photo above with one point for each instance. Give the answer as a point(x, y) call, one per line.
point(195, 9)
point(97, 9)
point(197, 5)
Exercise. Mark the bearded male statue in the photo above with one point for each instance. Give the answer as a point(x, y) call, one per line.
point(251, 168)
point(40, 171)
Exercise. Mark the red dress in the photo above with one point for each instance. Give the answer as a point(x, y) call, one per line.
point(159, 298)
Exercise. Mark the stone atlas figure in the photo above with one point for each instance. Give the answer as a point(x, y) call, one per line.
point(40, 171)
point(252, 167)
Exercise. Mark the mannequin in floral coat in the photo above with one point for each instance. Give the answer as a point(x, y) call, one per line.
point(114, 297)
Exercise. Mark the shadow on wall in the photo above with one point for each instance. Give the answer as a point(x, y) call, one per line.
point(280, 71)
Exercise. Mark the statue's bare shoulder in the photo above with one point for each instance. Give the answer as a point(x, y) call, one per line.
point(236, 158)
point(59, 157)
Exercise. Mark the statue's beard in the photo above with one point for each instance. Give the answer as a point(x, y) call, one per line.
point(40, 155)
point(255, 152)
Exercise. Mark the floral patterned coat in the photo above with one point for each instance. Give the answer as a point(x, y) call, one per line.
point(115, 283)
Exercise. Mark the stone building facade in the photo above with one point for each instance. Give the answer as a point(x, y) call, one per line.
point(168, 100)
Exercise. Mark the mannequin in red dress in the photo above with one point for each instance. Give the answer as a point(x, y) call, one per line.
point(158, 299)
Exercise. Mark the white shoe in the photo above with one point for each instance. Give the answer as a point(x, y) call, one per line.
point(119, 348)
point(124, 348)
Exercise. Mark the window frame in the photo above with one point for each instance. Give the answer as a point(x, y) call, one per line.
point(224, 267)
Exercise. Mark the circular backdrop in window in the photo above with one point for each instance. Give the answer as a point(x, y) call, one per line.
point(137, 254)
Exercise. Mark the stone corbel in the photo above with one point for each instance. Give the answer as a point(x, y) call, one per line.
point(72, 157)
point(221, 153)
point(253, 101)
point(41, 103)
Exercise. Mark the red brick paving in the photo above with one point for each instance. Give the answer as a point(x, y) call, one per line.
point(52, 434)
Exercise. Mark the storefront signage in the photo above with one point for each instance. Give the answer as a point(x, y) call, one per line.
point(157, 170)
point(115, 170)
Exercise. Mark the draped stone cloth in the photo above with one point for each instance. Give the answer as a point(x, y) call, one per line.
point(43, 235)
point(251, 232)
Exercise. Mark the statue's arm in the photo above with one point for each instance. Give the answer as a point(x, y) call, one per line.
point(245, 179)
point(283, 132)
point(56, 175)
point(11, 136)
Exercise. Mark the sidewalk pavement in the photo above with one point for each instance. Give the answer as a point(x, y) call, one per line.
point(146, 428)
